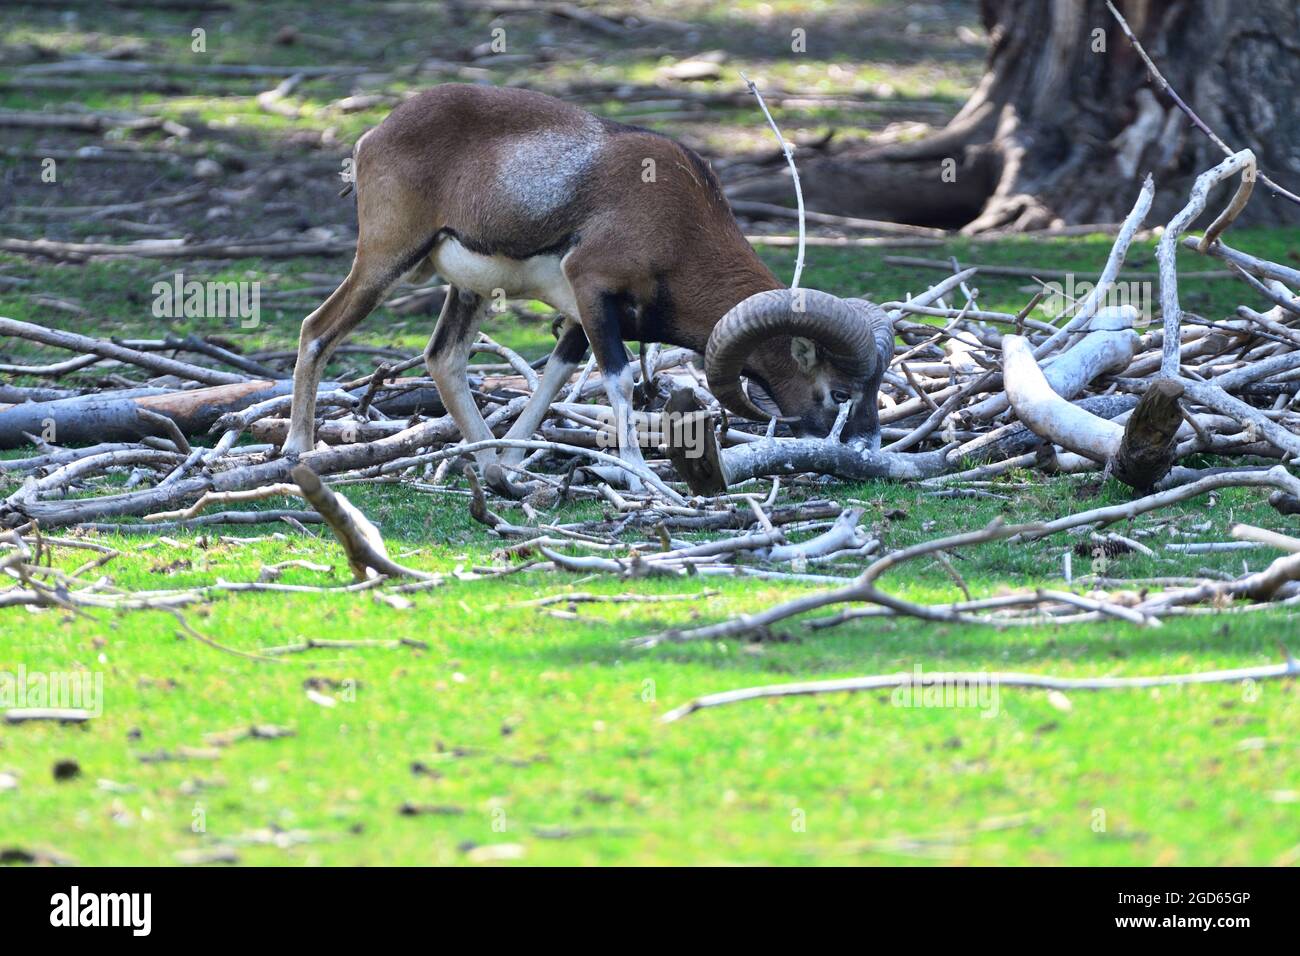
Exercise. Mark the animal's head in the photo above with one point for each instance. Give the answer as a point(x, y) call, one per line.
point(814, 352)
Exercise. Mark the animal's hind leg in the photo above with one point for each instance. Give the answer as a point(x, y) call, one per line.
point(321, 333)
point(396, 228)
point(447, 357)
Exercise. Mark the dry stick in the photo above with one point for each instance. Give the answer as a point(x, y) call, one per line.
point(1031, 272)
point(66, 474)
point(1260, 267)
point(978, 679)
point(1262, 586)
point(936, 418)
point(83, 343)
point(52, 370)
point(1220, 401)
point(1276, 477)
point(224, 497)
point(770, 210)
point(176, 249)
point(794, 172)
point(863, 589)
point(204, 639)
point(918, 390)
point(269, 516)
point(1084, 311)
point(1048, 414)
point(97, 212)
point(1182, 105)
point(645, 474)
point(936, 291)
point(1109, 347)
point(62, 715)
point(360, 456)
point(586, 597)
point(1166, 249)
point(1274, 539)
point(361, 540)
point(168, 425)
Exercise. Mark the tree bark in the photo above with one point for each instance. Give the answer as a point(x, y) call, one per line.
point(1146, 452)
point(1066, 122)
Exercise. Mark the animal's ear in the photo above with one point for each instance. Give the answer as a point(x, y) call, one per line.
point(804, 352)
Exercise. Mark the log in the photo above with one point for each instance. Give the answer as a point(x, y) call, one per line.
point(275, 430)
point(93, 419)
point(793, 456)
point(697, 459)
point(1110, 347)
point(1146, 451)
point(1048, 414)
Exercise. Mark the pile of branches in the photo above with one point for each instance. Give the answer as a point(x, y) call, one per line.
point(975, 395)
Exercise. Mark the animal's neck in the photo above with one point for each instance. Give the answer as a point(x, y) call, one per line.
point(714, 292)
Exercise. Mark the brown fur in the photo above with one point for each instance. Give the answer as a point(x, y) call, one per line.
point(413, 180)
point(650, 261)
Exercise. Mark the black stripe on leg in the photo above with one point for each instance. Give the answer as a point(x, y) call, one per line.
point(410, 261)
point(457, 319)
point(572, 345)
point(607, 336)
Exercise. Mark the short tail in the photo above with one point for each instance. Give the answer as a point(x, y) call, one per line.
point(347, 186)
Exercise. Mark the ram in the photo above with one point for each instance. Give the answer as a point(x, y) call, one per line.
point(626, 233)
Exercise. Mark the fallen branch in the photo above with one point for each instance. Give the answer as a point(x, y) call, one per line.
point(361, 540)
point(977, 679)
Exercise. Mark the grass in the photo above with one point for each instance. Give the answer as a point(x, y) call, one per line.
point(519, 728)
point(516, 727)
point(119, 295)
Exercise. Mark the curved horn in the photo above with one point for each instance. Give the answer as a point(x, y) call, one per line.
point(882, 333)
point(842, 330)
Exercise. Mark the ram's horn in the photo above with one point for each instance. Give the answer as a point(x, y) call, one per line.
point(844, 333)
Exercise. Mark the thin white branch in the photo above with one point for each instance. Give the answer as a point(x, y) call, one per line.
point(794, 173)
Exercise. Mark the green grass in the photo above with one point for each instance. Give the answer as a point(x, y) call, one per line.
point(542, 732)
point(119, 295)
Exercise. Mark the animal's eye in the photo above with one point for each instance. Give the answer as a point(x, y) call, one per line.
point(840, 397)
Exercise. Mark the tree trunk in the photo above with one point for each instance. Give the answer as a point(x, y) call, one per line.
point(1066, 123)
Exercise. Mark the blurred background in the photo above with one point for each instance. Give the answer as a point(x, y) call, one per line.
point(262, 101)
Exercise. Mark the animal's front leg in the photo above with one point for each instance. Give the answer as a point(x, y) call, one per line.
point(618, 388)
point(601, 313)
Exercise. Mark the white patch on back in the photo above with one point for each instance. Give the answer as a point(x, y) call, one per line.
point(540, 171)
point(539, 277)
